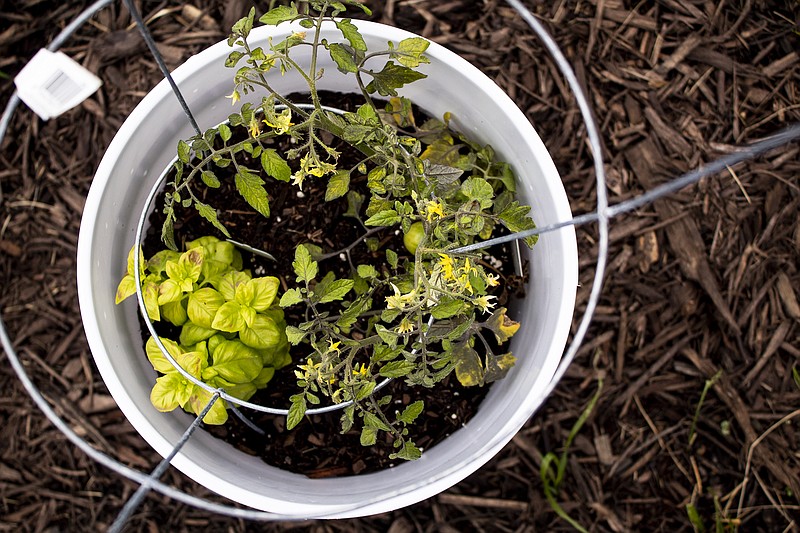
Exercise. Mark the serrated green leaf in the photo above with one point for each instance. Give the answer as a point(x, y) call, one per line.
point(251, 187)
point(369, 436)
point(296, 411)
point(391, 258)
point(243, 26)
point(446, 308)
point(409, 452)
point(275, 165)
point(294, 335)
point(351, 33)
point(210, 214)
point(372, 420)
point(291, 297)
point(388, 217)
point(515, 218)
point(279, 14)
point(338, 185)
point(411, 412)
point(336, 290)
point(210, 179)
point(343, 58)
point(397, 369)
point(233, 58)
point(184, 150)
point(367, 271)
point(365, 390)
point(348, 417)
point(409, 52)
point(392, 77)
point(305, 267)
point(478, 189)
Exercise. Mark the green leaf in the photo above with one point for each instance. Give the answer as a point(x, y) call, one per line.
point(397, 369)
point(336, 290)
point(232, 59)
point(126, 288)
point(210, 214)
point(184, 151)
point(203, 306)
point(392, 77)
point(235, 362)
point(478, 189)
point(251, 187)
point(225, 131)
point(338, 185)
point(170, 391)
point(365, 390)
point(343, 58)
point(391, 258)
point(291, 297)
point(275, 165)
point(411, 412)
point(305, 267)
point(244, 25)
point(200, 398)
point(446, 308)
point(157, 359)
point(369, 436)
point(295, 335)
point(296, 411)
point(210, 179)
point(515, 218)
point(264, 291)
point(174, 312)
point(409, 452)
point(229, 318)
point(409, 52)
point(388, 217)
point(372, 420)
point(263, 334)
point(227, 283)
point(279, 14)
point(150, 293)
point(351, 33)
point(347, 419)
point(191, 333)
point(367, 271)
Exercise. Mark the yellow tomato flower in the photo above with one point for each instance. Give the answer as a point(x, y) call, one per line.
point(406, 326)
point(360, 370)
point(446, 262)
point(234, 96)
point(334, 347)
point(484, 303)
point(255, 130)
point(434, 208)
point(492, 280)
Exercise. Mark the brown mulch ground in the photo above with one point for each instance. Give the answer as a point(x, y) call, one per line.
point(702, 285)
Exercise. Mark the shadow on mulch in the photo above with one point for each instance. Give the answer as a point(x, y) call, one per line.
point(702, 288)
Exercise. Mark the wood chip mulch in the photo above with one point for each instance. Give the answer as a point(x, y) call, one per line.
point(702, 287)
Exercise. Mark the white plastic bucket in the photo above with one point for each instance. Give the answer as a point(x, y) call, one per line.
point(143, 147)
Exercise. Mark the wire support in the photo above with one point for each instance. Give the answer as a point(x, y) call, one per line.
point(133, 503)
point(151, 45)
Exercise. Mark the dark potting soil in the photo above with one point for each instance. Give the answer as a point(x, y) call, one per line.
point(316, 447)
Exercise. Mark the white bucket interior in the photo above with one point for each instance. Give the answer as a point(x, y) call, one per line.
point(143, 147)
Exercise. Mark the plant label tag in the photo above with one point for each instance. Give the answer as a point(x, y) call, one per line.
point(52, 83)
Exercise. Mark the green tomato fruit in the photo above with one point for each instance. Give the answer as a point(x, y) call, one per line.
point(414, 236)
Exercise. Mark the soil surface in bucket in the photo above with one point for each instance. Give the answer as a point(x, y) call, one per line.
point(316, 447)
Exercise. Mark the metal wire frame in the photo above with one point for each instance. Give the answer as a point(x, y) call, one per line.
point(601, 216)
